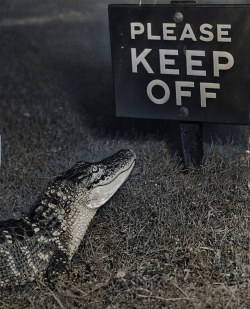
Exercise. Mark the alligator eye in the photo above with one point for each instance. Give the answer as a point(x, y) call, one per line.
point(95, 168)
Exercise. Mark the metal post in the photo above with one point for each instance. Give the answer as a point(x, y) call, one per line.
point(192, 143)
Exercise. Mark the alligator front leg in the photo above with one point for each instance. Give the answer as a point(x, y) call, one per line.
point(58, 265)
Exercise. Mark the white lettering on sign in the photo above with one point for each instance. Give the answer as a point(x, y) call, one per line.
point(191, 62)
point(205, 95)
point(222, 66)
point(140, 59)
point(205, 29)
point(222, 34)
point(164, 61)
point(188, 33)
point(168, 31)
point(150, 35)
point(136, 28)
point(171, 61)
point(158, 82)
point(181, 93)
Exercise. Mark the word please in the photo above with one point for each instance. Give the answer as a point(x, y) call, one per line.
point(168, 32)
point(222, 60)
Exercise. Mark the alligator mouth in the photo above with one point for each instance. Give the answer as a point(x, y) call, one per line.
point(119, 177)
point(102, 193)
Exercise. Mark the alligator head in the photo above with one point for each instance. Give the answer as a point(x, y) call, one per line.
point(72, 200)
point(97, 182)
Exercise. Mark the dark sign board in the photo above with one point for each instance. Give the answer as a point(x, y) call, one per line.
point(188, 63)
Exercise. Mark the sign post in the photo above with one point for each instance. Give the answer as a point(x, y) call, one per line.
point(185, 62)
point(191, 142)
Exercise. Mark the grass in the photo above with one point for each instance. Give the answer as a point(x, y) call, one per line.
point(167, 239)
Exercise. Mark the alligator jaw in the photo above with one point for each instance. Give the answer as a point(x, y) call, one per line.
point(103, 192)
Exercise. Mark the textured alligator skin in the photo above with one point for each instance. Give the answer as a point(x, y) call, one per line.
point(46, 241)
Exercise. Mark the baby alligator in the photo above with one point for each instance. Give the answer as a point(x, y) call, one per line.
point(44, 242)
